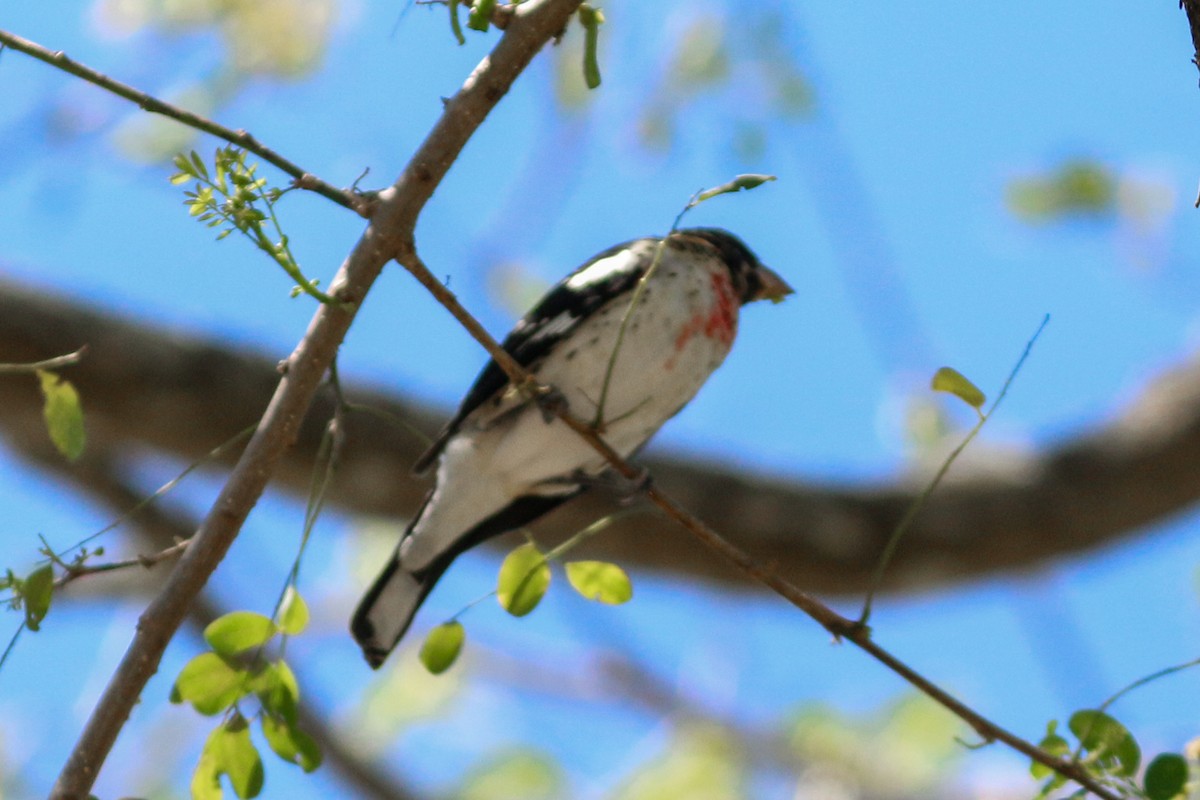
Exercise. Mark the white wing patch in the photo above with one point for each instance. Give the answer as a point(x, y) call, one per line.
point(605, 268)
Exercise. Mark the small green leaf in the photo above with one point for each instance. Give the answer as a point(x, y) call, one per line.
point(180, 178)
point(455, 25)
point(210, 684)
point(183, 165)
point(481, 15)
point(600, 581)
point(524, 578)
point(198, 165)
point(293, 612)
point(442, 646)
point(1075, 189)
point(1165, 777)
point(1055, 745)
point(290, 743)
point(1109, 740)
point(591, 19)
point(739, 183)
point(951, 381)
point(238, 631)
point(277, 690)
point(63, 413)
point(206, 782)
point(229, 751)
point(37, 591)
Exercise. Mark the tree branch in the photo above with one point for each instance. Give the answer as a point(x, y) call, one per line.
point(390, 232)
point(153, 105)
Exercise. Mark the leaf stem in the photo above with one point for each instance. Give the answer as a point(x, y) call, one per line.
point(50, 363)
point(919, 503)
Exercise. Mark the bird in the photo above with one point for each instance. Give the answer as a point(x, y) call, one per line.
point(625, 341)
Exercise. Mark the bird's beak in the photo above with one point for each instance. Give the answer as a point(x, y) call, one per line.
point(771, 286)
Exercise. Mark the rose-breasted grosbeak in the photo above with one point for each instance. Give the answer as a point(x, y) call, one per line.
point(503, 462)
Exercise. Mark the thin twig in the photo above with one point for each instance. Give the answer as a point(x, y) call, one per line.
point(73, 572)
point(154, 105)
point(394, 219)
point(1162, 673)
point(919, 503)
point(49, 363)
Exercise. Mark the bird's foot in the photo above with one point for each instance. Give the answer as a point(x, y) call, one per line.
point(627, 489)
point(551, 401)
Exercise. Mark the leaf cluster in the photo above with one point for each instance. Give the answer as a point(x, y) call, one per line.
point(235, 198)
point(1109, 753)
point(233, 671)
point(523, 581)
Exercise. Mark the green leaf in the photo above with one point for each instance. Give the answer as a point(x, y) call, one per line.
point(951, 381)
point(1055, 745)
point(210, 684)
point(63, 413)
point(198, 165)
point(293, 612)
point(238, 631)
point(1165, 777)
point(591, 19)
point(1109, 740)
point(600, 581)
point(36, 591)
point(206, 783)
point(183, 165)
point(455, 26)
point(739, 183)
point(524, 578)
point(442, 646)
point(228, 751)
point(1077, 188)
point(481, 15)
point(277, 690)
point(290, 743)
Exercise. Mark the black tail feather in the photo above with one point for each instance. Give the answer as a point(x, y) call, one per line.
point(387, 609)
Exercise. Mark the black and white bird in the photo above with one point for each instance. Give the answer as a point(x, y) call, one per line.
point(503, 462)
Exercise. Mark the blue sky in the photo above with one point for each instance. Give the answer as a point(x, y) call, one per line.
point(888, 217)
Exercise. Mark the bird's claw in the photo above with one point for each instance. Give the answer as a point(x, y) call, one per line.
point(626, 489)
point(551, 401)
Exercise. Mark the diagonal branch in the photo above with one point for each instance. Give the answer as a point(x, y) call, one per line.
point(146, 102)
point(839, 626)
point(390, 232)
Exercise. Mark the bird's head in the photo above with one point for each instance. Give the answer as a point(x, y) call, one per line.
point(751, 278)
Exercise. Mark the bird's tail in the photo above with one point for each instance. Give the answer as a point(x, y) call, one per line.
point(388, 607)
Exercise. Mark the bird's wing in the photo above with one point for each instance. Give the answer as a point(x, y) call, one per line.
point(556, 315)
